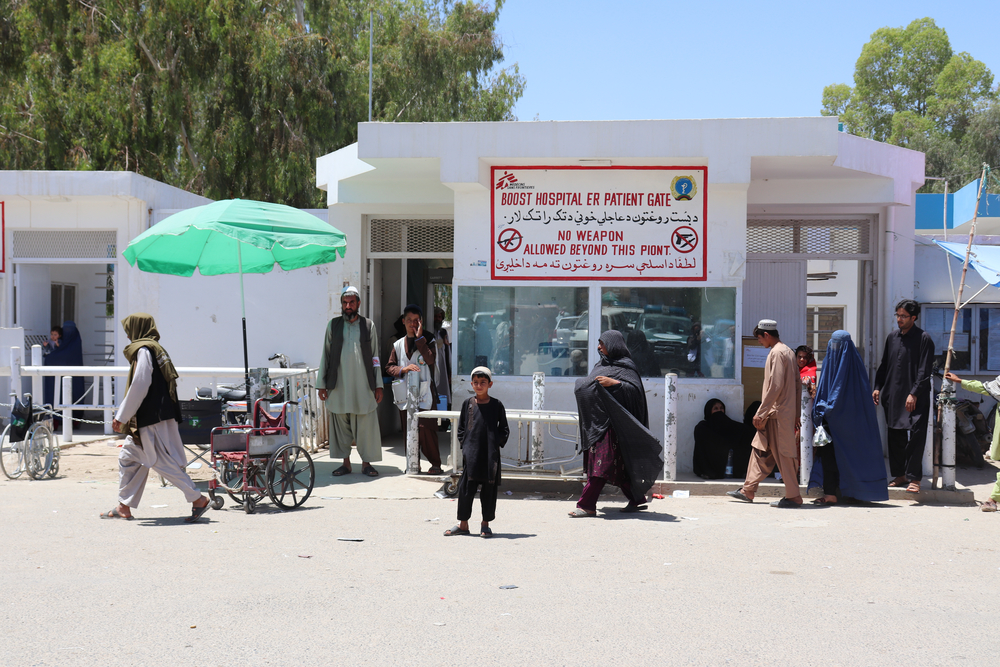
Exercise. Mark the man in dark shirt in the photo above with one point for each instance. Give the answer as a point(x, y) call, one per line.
point(902, 386)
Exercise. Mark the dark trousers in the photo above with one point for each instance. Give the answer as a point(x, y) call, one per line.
point(427, 437)
point(467, 494)
point(906, 451)
point(831, 473)
point(592, 491)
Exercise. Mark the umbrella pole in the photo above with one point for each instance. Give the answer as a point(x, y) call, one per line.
point(246, 358)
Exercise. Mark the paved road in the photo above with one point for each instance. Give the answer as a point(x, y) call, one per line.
point(700, 581)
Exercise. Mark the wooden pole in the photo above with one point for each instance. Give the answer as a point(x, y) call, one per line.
point(965, 269)
point(946, 399)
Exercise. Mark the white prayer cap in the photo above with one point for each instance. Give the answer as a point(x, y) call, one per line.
point(481, 370)
point(349, 290)
point(767, 325)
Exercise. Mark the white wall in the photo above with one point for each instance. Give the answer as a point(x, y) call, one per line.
point(34, 296)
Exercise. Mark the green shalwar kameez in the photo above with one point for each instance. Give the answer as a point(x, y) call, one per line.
point(977, 386)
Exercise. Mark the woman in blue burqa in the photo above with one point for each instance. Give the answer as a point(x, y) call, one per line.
point(69, 352)
point(853, 466)
point(618, 448)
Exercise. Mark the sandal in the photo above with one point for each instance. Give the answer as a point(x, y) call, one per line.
point(370, 471)
point(484, 531)
point(197, 512)
point(436, 470)
point(989, 506)
point(823, 501)
point(913, 487)
point(739, 495)
point(630, 508)
point(580, 513)
point(341, 471)
point(899, 481)
point(456, 530)
point(115, 514)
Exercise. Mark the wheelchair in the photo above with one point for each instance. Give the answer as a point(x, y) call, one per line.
point(257, 460)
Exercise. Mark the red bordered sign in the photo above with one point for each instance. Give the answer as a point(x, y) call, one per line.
point(634, 223)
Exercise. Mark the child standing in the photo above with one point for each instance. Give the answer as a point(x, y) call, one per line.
point(482, 430)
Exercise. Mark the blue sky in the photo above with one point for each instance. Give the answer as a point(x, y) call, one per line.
point(591, 60)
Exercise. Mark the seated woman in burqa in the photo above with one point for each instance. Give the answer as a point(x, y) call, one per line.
point(642, 354)
point(68, 353)
point(853, 466)
point(618, 447)
point(715, 437)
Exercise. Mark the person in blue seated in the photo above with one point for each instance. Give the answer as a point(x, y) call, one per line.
point(65, 349)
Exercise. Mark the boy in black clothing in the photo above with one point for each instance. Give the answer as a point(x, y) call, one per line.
point(482, 430)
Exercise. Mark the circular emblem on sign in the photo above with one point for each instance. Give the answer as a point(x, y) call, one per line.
point(684, 239)
point(683, 188)
point(509, 240)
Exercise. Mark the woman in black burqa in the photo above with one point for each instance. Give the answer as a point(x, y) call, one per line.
point(715, 437)
point(618, 448)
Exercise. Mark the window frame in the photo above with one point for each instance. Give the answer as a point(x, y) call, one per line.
point(974, 337)
point(594, 308)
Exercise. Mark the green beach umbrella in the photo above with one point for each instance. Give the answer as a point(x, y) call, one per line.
point(235, 236)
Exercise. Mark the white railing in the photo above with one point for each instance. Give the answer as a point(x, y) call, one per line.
point(105, 394)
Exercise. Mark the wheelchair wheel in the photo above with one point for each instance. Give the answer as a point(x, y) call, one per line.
point(232, 476)
point(39, 451)
point(54, 468)
point(290, 477)
point(11, 461)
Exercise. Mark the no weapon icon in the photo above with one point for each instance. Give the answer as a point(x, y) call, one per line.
point(684, 239)
point(509, 240)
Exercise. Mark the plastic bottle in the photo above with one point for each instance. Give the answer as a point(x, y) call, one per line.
point(729, 465)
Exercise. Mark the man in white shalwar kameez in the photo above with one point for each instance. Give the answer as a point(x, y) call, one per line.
point(149, 415)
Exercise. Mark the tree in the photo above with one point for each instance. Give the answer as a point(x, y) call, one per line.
point(235, 98)
point(911, 89)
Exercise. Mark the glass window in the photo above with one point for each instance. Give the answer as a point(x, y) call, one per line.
point(936, 321)
point(989, 340)
point(690, 331)
point(520, 330)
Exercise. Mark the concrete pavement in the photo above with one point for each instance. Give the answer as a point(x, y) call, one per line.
point(702, 581)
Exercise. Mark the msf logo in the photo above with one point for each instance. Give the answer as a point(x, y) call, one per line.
point(505, 181)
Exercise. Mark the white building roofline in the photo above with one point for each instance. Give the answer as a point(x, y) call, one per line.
point(64, 185)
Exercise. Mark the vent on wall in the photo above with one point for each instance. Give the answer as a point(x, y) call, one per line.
point(69, 244)
point(395, 235)
point(810, 237)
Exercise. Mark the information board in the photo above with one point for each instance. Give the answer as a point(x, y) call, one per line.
point(599, 223)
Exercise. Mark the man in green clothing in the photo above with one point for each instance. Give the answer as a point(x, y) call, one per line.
point(991, 389)
point(350, 384)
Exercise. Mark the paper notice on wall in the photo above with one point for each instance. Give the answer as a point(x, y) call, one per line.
point(933, 320)
point(754, 357)
point(940, 339)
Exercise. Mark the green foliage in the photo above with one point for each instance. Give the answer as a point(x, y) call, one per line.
point(235, 98)
point(911, 90)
